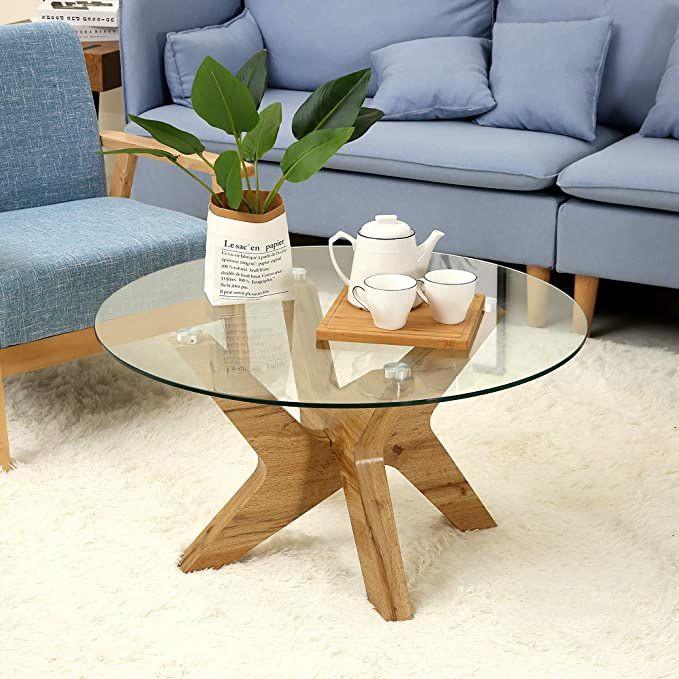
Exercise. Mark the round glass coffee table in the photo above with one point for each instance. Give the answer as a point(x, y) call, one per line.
point(328, 415)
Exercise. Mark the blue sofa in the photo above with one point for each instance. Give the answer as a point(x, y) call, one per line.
point(602, 209)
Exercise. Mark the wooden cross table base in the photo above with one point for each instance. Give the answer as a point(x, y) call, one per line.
point(329, 450)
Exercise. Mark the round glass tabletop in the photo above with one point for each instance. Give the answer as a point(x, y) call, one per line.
point(162, 326)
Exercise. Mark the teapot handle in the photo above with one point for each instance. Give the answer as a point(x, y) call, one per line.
point(331, 243)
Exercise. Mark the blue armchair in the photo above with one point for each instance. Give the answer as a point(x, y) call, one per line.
point(65, 245)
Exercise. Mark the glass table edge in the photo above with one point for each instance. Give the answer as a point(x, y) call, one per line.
point(353, 406)
point(348, 406)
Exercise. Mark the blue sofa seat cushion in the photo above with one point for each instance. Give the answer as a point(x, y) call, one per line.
point(638, 171)
point(444, 151)
point(58, 263)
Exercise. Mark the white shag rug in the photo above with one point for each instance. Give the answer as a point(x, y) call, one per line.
point(117, 474)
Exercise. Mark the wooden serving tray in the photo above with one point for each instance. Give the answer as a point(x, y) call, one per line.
point(346, 323)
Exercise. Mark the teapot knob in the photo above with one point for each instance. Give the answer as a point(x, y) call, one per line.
point(386, 219)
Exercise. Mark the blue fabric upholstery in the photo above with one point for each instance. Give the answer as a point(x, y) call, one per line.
point(46, 156)
point(546, 77)
point(311, 42)
point(622, 243)
point(637, 171)
point(663, 118)
point(231, 44)
point(447, 151)
point(500, 225)
point(433, 78)
point(643, 32)
point(144, 25)
point(58, 263)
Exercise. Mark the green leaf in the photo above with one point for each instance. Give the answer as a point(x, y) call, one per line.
point(259, 141)
point(335, 104)
point(227, 172)
point(367, 117)
point(171, 136)
point(159, 153)
point(222, 100)
point(308, 155)
point(253, 73)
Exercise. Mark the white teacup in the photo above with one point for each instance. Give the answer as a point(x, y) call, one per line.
point(448, 292)
point(388, 297)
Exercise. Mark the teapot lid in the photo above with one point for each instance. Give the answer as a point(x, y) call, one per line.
point(386, 226)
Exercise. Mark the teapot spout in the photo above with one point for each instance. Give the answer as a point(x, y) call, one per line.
point(425, 249)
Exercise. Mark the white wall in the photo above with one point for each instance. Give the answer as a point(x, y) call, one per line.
point(15, 10)
point(111, 103)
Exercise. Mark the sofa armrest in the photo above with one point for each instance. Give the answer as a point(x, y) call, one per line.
point(144, 25)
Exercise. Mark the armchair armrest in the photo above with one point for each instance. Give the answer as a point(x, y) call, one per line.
point(123, 176)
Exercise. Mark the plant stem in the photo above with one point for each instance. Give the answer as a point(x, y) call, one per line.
point(239, 146)
point(273, 193)
point(217, 198)
point(209, 164)
point(259, 206)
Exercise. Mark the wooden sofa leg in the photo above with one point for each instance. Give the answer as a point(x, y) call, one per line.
point(537, 295)
point(5, 462)
point(586, 288)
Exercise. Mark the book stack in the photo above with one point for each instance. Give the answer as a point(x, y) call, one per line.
point(93, 20)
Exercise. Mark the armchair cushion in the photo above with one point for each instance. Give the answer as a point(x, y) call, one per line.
point(49, 135)
point(231, 44)
point(58, 263)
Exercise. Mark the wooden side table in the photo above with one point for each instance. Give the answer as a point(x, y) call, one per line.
point(103, 67)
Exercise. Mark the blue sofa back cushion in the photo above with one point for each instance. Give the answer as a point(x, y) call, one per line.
point(48, 127)
point(546, 77)
point(313, 41)
point(433, 79)
point(663, 118)
point(643, 33)
point(231, 44)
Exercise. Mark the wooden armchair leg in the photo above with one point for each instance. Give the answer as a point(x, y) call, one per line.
point(5, 462)
point(123, 177)
point(586, 288)
point(537, 295)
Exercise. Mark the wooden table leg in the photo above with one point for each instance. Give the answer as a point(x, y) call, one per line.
point(358, 442)
point(296, 471)
point(299, 467)
point(416, 452)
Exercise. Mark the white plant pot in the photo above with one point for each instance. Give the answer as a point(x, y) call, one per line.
point(247, 256)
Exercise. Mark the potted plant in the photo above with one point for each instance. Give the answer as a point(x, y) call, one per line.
point(248, 245)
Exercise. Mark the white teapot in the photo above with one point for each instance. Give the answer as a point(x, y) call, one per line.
point(386, 245)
